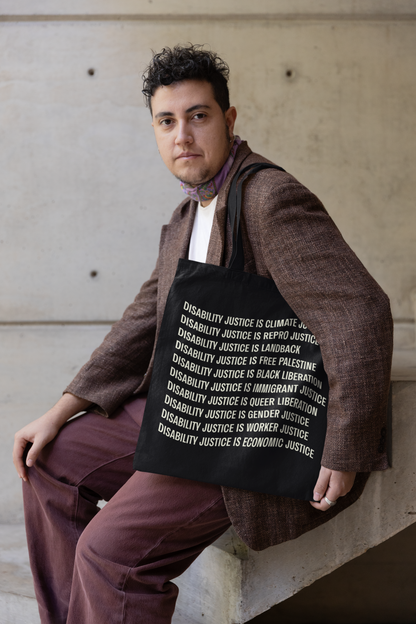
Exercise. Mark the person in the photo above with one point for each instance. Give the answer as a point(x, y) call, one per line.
point(117, 563)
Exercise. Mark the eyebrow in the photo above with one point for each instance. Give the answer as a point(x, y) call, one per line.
point(188, 110)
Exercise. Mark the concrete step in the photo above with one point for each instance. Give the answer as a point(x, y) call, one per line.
point(17, 597)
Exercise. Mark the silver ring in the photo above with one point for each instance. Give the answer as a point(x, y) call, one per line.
point(330, 503)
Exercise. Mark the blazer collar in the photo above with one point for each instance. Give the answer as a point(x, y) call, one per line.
point(217, 241)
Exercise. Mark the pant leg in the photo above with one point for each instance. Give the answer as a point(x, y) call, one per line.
point(149, 533)
point(89, 460)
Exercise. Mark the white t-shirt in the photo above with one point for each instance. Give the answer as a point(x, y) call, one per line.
point(201, 232)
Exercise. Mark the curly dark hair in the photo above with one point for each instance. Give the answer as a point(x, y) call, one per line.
point(188, 62)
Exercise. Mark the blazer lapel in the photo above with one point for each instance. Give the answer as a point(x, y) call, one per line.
point(217, 243)
point(174, 244)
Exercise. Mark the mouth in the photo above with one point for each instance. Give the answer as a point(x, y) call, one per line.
point(187, 156)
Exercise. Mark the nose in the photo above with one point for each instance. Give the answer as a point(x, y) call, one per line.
point(183, 136)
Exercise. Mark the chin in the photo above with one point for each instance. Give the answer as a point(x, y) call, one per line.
point(191, 182)
point(195, 179)
point(193, 175)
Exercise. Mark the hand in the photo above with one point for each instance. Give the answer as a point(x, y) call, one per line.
point(43, 430)
point(38, 433)
point(332, 484)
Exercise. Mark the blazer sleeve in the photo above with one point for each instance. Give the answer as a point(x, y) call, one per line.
point(334, 295)
point(117, 368)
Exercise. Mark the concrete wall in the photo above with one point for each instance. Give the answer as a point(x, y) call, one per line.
point(324, 89)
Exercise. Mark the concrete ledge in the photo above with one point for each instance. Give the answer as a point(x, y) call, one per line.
point(210, 590)
point(229, 583)
point(387, 506)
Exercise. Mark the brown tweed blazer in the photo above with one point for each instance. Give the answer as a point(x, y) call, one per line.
point(288, 237)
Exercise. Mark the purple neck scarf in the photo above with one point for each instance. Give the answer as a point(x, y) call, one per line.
point(208, 190)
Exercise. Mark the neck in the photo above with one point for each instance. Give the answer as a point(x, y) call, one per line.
point(206, 202)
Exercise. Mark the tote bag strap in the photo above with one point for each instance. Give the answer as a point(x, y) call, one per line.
point(234, 211)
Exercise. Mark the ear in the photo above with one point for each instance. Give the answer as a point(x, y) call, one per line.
point(230, 117)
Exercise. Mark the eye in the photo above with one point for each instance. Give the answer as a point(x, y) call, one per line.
point(165, 122)
point(199, 116)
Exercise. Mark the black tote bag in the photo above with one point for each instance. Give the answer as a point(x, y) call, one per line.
point(239, 394)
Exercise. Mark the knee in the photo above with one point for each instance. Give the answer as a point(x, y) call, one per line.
point(86, 550)
point(94, 544)
point(96, 558)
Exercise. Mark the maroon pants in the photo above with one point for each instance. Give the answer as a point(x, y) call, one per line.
point(112, 565)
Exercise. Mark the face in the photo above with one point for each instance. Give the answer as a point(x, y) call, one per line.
point(192, 132)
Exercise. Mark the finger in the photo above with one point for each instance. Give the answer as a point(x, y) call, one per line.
point(321, 484)
point(322, 505)
point(339, 484)
point(334, 491)
point(18, 455)
point(34, 451)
